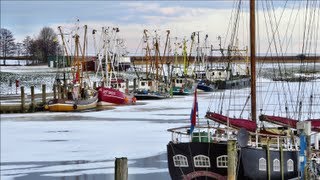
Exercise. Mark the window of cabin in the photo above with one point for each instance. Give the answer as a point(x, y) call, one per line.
point(222, 161)
point(276, 165)
point(180, 161)
point(201, 161)
point(143, 83)
point(262, 164)
point(290, 165)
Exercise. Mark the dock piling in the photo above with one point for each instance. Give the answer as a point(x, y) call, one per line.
point(22, 99)
point(121, 169)
point(232, 156)
point(32, 105)
point(44, 94)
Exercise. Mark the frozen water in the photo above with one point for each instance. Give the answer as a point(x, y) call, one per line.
point(72, 144)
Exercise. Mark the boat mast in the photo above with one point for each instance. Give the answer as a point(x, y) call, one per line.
point(252, 60)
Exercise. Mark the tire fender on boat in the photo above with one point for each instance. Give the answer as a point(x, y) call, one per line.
point(75, 106)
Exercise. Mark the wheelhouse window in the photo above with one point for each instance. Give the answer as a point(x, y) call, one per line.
point(222, 161)
point(180, 161)
point(201, 161)
point(276, 165)
point(262, 164)
point(290, 165)
point(143, 83)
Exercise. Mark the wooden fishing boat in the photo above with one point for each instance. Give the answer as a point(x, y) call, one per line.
point(152, 85)
point(65, 105)
point(75, 93)
point(201, 151)
point(110, 91)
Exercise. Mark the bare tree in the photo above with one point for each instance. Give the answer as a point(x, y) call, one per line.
point(7, 45)
point(27, 43)
point(47, 43)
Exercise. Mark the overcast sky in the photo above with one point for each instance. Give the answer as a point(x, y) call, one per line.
point(180, 17)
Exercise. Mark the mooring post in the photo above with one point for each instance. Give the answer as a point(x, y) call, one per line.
point(22, 98)
point(54, 91)
point(127, 86)
point(232, 155)
point(44, 95)
point(134, 84)
point(62, 91)
point(32, 105)
point(121, 169)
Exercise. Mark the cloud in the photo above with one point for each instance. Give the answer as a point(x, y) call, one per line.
point(181, 18)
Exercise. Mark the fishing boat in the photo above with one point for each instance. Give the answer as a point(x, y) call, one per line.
point(151, 84)
point(204, 150)
point(74, 93)
point(229, 75)
point(181, 82)
point(109, 90)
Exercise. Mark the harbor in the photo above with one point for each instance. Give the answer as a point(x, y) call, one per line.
point(160, 90)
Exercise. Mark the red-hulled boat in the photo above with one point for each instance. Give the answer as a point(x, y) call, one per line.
point(287, 122)
point(233, 122)
point(111, 96)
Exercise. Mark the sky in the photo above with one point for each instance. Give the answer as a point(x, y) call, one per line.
point(132, 17)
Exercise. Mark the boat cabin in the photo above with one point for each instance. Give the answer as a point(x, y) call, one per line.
point(218, 74)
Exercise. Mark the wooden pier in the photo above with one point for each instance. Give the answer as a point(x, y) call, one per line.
point(23, 103)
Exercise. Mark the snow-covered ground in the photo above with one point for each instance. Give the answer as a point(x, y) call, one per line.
point(57, 145)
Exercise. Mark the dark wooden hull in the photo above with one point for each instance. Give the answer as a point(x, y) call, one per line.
point(234, 83)
point(248, 163)
point(206, 87)
point(149, 96)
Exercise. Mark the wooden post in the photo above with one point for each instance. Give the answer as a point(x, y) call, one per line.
point(44, 95)
point(134, 84)
point(121, 169)
point(22, 98)
point(54, 91)
point(282, 162)
point(268, 160)
point(62, 91)
point(127, 86)
point(232, 156)
point(32, 105)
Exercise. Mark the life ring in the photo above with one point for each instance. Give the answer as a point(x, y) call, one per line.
point(75, 106)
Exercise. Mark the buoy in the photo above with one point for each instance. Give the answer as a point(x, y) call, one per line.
point(46, 107)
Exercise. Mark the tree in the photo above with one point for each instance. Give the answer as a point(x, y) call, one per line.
point(27, 44)
point(47, 43)
point(7, 45)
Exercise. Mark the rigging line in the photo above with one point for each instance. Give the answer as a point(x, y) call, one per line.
point(304, 46)
point(235, 25)
point(230, 21)
point(281, 50)
point(269, 41)
point(309, 33)
point(274, 34)
point(290, 40)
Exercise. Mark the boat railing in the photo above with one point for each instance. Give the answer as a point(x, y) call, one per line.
point(214, 134)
